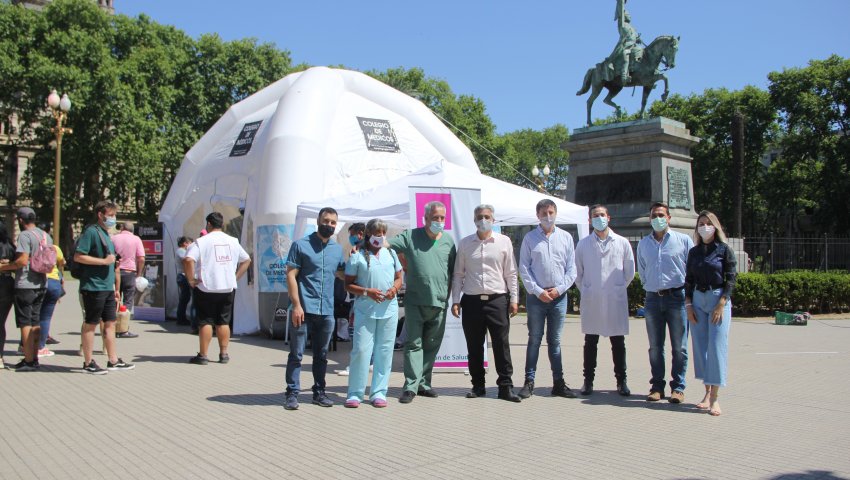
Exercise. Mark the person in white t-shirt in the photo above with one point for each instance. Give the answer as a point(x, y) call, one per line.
point(213, 265)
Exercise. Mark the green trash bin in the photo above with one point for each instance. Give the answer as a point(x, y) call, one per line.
point(797, 318)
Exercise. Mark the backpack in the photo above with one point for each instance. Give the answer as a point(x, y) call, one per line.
point(43, 259)
point(76, 268)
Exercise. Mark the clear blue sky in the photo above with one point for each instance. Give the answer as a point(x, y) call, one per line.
point(526, 60)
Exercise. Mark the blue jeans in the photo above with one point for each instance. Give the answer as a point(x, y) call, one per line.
point(710, 341)
point(183, 299)
point(321, 328)
point(667, 312)
point(551, 315)
point(371, 336)
point(51, 297)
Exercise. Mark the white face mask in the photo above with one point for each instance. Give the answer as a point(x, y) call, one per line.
point(376, 242)
point(484, 225)
point(548, 221)
point(706, 232)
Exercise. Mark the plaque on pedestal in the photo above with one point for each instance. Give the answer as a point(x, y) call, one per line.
point(629, 165)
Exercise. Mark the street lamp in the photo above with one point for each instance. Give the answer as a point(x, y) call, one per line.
point(59, 108)
point(541, 179)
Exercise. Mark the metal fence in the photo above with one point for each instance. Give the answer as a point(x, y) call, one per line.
point(772, 254)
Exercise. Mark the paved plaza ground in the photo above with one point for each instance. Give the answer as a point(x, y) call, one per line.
point(786, 415)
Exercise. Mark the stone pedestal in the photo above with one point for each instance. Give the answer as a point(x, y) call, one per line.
point(629, 165)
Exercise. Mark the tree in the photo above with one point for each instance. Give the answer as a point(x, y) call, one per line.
point(813, 171)
point(709, 116)
point(526, 148)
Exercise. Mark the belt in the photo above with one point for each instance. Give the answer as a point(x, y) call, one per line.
point(489, 296)
point(661, 293)
point(127, 271)
point(705, 288)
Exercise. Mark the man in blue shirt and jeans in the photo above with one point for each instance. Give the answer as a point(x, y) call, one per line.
point(661, 261)
point(311, 267)
point(548, 269)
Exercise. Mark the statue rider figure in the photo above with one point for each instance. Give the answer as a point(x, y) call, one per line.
point(629, 48)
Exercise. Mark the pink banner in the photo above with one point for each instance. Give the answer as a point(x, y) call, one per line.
point(422, 199)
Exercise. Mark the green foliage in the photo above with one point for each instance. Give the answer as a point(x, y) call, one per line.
point(142, 95)
point(523, 149)
point(709, 116)
point(813, 172)
point(816, 292)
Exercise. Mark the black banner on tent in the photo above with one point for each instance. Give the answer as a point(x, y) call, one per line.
point(379, 135)
point(245, 139)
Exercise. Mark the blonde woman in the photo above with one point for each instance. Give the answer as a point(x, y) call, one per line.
point(709, 281)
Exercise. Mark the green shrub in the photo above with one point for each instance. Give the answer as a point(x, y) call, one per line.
point(816, 292)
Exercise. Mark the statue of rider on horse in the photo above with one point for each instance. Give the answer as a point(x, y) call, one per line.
point(631, 64)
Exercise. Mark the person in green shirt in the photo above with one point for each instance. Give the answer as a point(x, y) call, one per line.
point(428, 255)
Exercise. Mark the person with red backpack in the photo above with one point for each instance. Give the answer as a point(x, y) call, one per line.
point(33, 256)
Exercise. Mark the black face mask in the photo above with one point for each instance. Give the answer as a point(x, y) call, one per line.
point(326, 231)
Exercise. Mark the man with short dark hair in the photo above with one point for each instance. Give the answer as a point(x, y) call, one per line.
point(213, 266)
point(605, 267)
point(99, 288)
point(30, 287)
point(547, 268)
point(428, 254)
point(131, 263)
point(312, 266)
point(661, 261)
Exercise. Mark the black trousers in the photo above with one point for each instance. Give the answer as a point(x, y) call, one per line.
point(618, 352)
point(478, 317)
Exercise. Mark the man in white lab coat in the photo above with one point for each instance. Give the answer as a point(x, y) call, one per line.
point(606, 266)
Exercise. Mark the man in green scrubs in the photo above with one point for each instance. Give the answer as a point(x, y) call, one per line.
point(428, 255)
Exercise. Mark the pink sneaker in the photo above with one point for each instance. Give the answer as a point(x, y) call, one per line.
point(379, 403)
point(352, 403)
point(45, 352)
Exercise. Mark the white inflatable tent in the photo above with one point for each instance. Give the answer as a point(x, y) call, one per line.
point(390, 202)
point(311, 135)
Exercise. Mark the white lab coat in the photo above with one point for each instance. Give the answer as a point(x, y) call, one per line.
point(602, 280)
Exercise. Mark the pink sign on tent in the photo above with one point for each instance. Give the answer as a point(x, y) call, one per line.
point(423, 199)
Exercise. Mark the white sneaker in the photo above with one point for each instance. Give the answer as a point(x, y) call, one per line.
point(342, 373)
point(45, 352)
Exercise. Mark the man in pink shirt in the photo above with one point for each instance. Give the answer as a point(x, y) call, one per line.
point(131, 252)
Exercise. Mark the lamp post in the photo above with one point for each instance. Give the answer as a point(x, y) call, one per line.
point(59, 107)
point(540, 177)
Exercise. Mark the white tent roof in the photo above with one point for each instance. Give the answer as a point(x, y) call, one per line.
point(390, 202)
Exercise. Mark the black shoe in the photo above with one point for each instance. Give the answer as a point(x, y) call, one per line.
point(52, 341)
point(25, 366)
point(406, 397)
point(527, 389)
point(126, 335)
point(223, 358)
point(430, 393)
point(119, 365)
point(477, 392)
point(587, 388)
point(199, 359)
point(321, 399)
point(623, 389)
point(506, 392)
point(560, 389)
point(94, 369)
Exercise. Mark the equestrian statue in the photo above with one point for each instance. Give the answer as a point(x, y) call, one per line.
point(631, 64)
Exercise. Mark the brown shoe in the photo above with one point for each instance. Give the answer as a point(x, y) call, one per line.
point(654, 396)
point(677, 397)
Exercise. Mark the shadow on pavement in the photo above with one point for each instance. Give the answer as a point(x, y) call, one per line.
point(612, 398)
point(811, 474)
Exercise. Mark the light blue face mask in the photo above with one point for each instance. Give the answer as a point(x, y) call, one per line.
point(437, 227)
point(599, 223)
point(353, 240)
point(110, 222)
point(659, 224)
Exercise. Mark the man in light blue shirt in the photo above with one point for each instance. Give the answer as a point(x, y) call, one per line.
point(547, 268)
point(661, 260)
point(311, 268)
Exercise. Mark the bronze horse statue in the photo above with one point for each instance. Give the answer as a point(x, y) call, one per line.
point(644, 74)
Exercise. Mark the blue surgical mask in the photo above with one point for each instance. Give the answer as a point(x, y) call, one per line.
point(437, 227)
point(484, 225)
point(599, 223)
point(110, 222)
point(659, 224)
point(353, 240)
